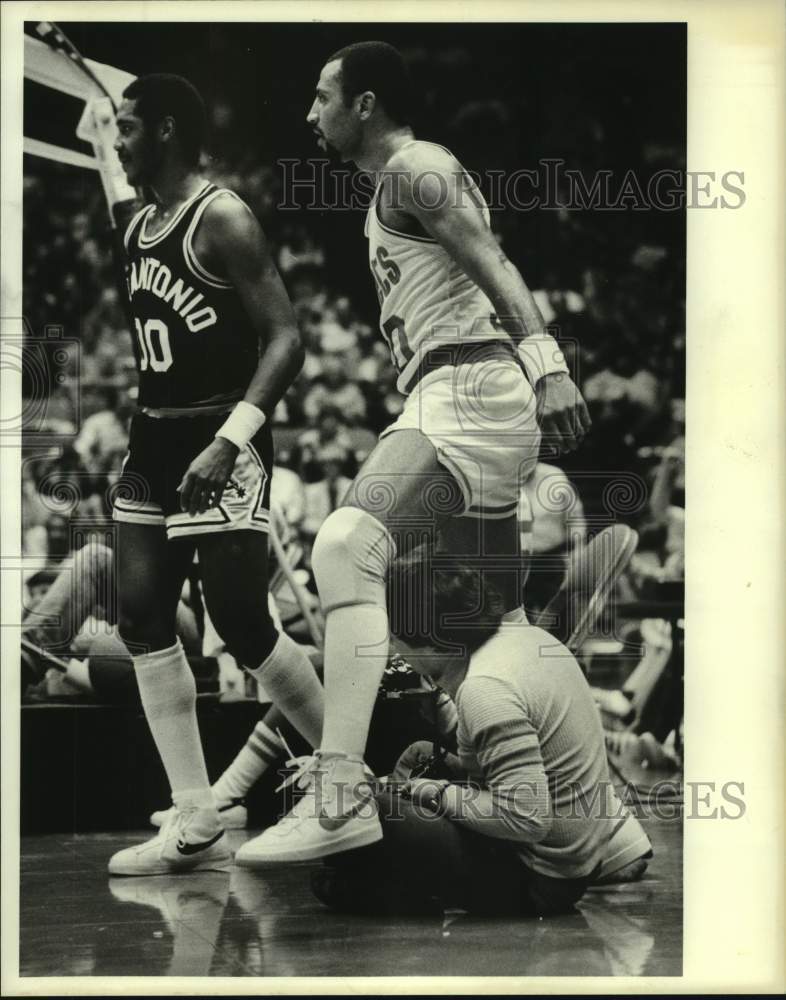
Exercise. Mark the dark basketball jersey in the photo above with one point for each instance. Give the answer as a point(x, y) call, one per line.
point(193, 342)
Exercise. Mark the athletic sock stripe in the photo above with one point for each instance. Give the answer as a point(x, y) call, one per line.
point(270, 741)
point(261, 751)
point(273, 747)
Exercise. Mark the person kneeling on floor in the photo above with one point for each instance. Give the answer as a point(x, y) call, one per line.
point(525, 818)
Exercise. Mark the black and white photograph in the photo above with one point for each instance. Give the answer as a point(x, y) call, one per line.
point(352, 380)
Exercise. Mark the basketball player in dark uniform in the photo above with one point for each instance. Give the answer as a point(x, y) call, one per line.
point(216, 346)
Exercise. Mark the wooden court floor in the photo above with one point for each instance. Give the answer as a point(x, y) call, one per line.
point(76, 921)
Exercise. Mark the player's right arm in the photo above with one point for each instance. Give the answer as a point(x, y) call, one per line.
point(234, 245)
point(431, 187)
point(230, 242)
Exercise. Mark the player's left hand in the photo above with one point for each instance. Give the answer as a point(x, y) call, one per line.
point(562, 413)
point(206, 477)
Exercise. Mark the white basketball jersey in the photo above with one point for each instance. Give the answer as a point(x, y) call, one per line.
point(426, 299)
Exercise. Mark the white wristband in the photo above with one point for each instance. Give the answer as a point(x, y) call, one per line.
point(242, 424)
point(540, 354)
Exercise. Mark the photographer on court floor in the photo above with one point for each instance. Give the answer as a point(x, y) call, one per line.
point(524, 818)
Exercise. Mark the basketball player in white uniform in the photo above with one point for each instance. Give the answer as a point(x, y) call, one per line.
point(453, 310)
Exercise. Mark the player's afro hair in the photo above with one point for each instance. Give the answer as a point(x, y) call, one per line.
point(159, 95)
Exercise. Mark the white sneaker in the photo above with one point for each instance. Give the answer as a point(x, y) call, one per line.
point(188, 841)
point(308, 831)
point(234, 815)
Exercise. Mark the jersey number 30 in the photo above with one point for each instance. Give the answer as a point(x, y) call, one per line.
point(155, 352)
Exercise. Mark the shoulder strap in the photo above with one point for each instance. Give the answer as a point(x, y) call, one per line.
point(197, 269)
point(132, 225)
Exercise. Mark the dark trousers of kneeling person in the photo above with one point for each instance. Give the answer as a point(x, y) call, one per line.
point(426, 863)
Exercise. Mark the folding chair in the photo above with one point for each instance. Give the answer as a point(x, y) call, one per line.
point(589, 581)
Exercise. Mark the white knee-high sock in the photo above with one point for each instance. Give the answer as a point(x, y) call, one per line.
point(168, 692)
point(350, 560)
point(356, 651)
point(263, 748)
point(292, 683)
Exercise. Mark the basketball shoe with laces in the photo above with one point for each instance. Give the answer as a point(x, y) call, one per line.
point(233, 815)
point(189, 840)
point(333, 815)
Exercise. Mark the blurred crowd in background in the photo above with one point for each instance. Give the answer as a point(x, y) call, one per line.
point(611, 284)
point(623, 333)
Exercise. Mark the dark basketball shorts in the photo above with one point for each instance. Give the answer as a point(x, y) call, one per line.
point(160, 450)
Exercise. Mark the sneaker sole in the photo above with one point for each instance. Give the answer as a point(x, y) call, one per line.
point(221, 864)
point(278, 855)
